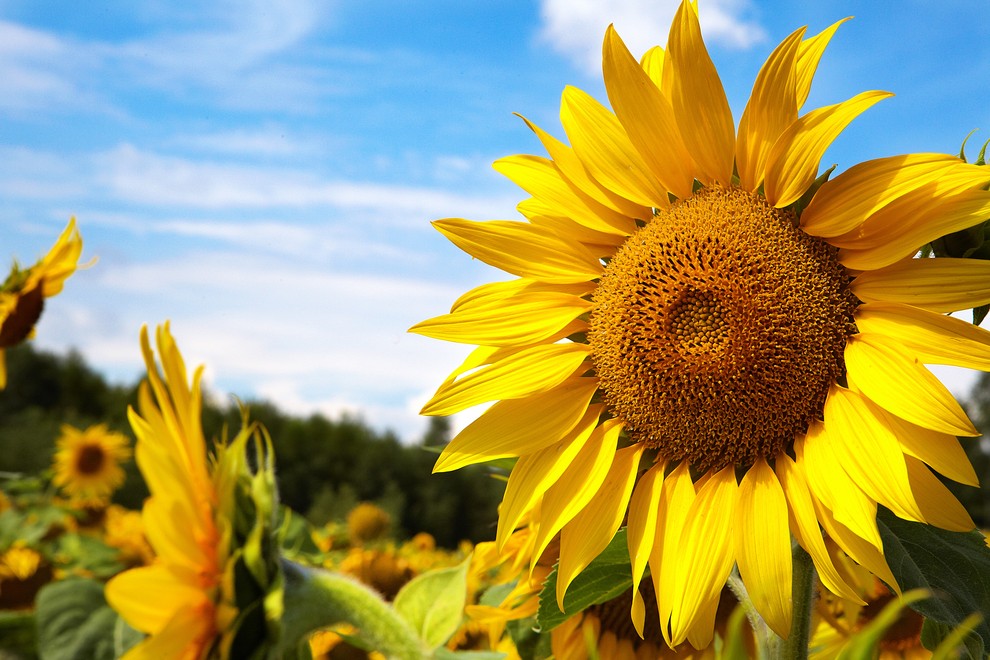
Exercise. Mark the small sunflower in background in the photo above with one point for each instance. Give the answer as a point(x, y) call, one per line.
point(709, 342)
point(87, 464)
point(367, 522)
point(23, 293)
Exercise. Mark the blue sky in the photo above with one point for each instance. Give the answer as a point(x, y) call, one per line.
point(264, 174)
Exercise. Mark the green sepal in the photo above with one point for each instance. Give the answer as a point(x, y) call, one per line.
point(953, 566)
point(608, 576)
point(74, 621)
point(980, 313)
point(809, 194)
point(433, 603)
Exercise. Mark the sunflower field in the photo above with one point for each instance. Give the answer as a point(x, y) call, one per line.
point(711, 431)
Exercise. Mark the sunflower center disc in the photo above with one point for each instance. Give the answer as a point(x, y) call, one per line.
point(718, 328)
point(90, 460)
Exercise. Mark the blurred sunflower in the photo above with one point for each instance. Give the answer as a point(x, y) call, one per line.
point(207, 520)
point(87, 463)
point(840, 621)
point(694, 303)
point(23, 293)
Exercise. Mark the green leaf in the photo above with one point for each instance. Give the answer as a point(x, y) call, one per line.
point(18, 634)
point(954, 566)
point(433, 603)
point(74, 621)
point(608, 576)
point(530, 644)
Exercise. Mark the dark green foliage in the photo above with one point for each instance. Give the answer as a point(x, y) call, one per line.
point(324, 467)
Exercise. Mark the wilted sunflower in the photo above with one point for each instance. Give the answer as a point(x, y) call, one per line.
point(208, 522)
point(87, 463)
point(691, 301)
point(23, 293)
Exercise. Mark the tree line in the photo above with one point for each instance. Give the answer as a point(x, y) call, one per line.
point(324, 466)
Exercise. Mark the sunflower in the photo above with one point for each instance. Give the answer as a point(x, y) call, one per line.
point(840, 621)
point(87, 463)
point(708, 340)
point(22, 295)
point(207, 521)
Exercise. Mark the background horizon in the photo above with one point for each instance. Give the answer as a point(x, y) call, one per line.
point(266, 180)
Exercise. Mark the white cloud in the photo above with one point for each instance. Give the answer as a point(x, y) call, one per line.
point(133, 175)
point(575, 27)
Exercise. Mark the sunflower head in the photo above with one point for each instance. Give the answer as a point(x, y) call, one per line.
point(712, 343)
point(367, 522)
point(87, 464)
point(23, 293)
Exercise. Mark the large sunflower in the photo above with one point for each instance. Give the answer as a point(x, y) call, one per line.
point(23, 293)
point(87, 463)
point(705, 341)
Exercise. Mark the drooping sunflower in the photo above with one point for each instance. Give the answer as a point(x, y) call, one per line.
point(23, 293)
point(87, 463)
point(707, 340)
point(208, 521)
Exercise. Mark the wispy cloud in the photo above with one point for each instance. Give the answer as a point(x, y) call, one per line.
point(575, 27)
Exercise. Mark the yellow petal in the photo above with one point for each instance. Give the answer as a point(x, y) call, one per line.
point(676, 497)
point(591, 530)
point(941, 508)
point(932, 338)
point(534, 473)
point(863, 553)
point(579, 483)
point(941, 451)
point(804, 526)
point(902, 385)
point(868, 451)
point(653, 63)
point(647, 116)
point(708, 552)
point(525, 319)
point(808, 57)
point(603, 146)
point(527, 372)
point(938, 285)
point(543, 180)
point(497, 294)
point(889, 244)
point(188, 634)
point(522, 249)
point(792, 165)
point(772, 107)
point(698, 99)
point(173, 589)
point(764, 546)
point(574, 171)
point(831, 485)
point(517, 427)
point(541, 215)
point(842, 204)
point(641, 531)
point(700, 634)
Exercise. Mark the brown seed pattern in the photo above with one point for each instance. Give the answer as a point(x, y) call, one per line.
point(718, 328)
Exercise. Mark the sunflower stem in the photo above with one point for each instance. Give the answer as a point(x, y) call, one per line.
point(795, 647)
point(316, 598)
